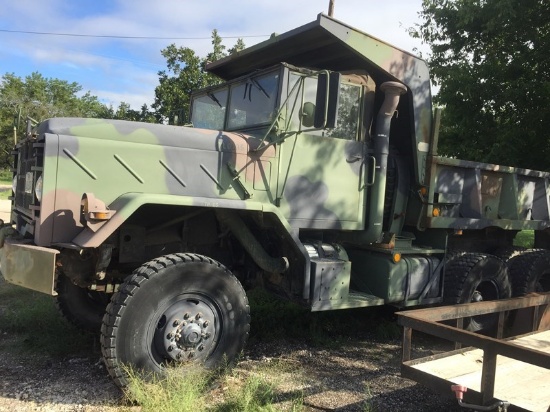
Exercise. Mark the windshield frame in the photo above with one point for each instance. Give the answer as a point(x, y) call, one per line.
point(251, 80)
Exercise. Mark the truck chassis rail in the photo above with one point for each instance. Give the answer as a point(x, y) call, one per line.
point(515, 369)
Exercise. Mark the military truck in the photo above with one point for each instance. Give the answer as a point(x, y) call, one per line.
point(312, 171)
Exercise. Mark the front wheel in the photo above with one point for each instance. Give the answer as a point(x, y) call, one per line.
point(174, 309)
point(81, 307)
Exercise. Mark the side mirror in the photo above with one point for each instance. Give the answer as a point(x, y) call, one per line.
point(308, 114)
point(328, 96)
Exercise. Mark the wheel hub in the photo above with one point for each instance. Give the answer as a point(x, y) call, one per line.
point(477, 297)
point(185, 331)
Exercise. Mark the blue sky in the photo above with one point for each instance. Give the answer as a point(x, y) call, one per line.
point(118, 70)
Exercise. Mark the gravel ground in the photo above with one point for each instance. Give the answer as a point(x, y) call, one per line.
point(360, 375)
point(355, 374)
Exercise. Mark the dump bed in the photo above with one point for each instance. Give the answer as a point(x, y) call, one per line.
point(472, 195)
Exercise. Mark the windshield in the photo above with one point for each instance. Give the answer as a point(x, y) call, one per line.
point(252, 102)
point(247, 103)
point(209, 110)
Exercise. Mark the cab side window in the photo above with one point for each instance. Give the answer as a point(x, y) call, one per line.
point(349, 108)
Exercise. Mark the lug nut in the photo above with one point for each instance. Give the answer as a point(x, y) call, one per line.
point(176, 322)
point(170, 348)
point(170, 335)
point(200, 348)
point(199, 315)
point(186, 316)
point(206, 323)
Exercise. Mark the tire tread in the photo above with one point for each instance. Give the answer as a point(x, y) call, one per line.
point(127, 290)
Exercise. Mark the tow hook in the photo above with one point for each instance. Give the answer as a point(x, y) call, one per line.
point(459, 390)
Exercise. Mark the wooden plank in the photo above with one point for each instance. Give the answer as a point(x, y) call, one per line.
point(520, 383)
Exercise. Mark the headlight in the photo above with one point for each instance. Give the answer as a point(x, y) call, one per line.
point(14, 184)
point(38, 189)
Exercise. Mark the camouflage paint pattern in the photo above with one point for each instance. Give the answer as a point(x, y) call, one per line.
point(112, 159)
point(471, 195)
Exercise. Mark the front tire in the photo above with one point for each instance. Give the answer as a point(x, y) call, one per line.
point(474, 277)
point(81, 307)
point(174, 309)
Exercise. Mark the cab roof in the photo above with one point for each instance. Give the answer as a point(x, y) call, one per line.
point(325, 43)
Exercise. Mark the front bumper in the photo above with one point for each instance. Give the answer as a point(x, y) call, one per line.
point(27, 265)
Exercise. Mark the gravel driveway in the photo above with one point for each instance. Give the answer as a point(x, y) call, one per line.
point(359, 374)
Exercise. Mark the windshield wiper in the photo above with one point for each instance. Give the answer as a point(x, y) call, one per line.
point(259, 86)
point(213, 97)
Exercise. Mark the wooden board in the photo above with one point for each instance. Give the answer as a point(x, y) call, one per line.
point(520, 383)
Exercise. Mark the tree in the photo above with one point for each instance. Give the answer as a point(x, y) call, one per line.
point(125, 112)
point(39, 98)
point(185, 73)
point(490, 58)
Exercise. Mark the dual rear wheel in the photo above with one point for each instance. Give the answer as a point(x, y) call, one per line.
point(474, 277)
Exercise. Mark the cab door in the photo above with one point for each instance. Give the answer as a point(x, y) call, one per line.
point(323, 177)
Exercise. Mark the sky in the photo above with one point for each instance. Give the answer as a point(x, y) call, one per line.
point(126, 70)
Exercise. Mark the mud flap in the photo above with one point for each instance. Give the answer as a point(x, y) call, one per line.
point(29, 266)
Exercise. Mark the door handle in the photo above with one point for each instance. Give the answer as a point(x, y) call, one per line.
point(354, 158)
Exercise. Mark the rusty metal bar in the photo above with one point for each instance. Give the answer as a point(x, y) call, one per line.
point(535, 318)
point(478, 308)
point(500, 328)
point(407, 339)
point(488, 374)
point(459, 325)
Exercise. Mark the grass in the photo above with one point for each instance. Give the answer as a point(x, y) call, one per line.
point(6, 177)
point(214, 391)
point(33, 321)
point(525, 238)
point(173, 393)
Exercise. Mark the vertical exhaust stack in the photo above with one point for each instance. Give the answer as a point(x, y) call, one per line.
point(381, 145)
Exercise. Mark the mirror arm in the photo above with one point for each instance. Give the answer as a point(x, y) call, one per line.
point(325, 116)
point(261, 146)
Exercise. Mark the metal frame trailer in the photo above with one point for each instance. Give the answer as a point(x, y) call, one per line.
point(507, 372)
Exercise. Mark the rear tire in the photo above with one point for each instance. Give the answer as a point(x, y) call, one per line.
point(530, 272)
point(82, 307)
point(175, 309)
point(474, 277)
point(509, 252)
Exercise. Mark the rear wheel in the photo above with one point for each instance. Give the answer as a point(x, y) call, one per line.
point(82, 307)
point(475, 277)
point(530, 272)
point(175, 309)
point(509, 252)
